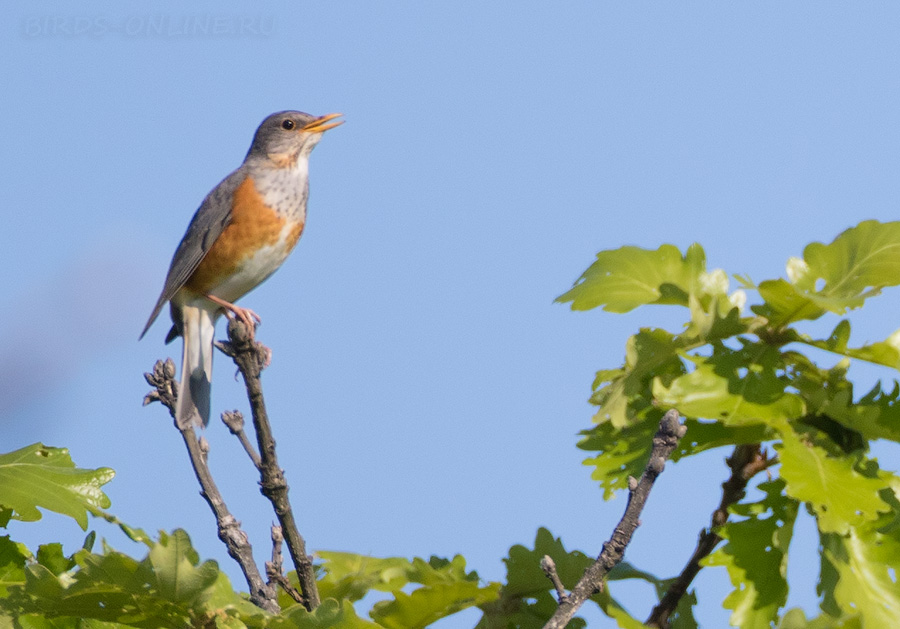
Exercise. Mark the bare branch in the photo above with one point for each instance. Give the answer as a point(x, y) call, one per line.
point(251, 357)
point(745, 462)
point(235, 422)
point(664, 441)
point(165, 391)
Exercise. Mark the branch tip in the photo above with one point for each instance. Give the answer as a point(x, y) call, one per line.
point(549, 568)
point(234, 420)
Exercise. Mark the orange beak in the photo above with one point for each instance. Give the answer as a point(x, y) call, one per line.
point(319, 124)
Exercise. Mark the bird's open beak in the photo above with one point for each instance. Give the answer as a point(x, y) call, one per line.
point(323, 124)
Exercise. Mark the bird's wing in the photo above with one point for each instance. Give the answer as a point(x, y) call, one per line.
point(210, 219)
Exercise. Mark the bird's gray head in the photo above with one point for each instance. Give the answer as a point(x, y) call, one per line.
point(284, 136)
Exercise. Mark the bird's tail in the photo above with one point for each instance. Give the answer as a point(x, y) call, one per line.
point(198, 329)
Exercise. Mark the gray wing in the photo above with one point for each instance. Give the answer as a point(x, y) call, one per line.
point(210, 219)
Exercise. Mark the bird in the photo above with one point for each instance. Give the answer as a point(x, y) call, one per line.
point(239, 236)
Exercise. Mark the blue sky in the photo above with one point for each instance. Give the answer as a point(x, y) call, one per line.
point(426, 392)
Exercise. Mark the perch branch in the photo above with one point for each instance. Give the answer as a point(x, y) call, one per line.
point(745, 462)
point(250, 358)
point(162, 379)
point(664, 441)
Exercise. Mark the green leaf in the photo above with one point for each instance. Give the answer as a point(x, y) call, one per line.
point(440, 571)
point(349, 575)
point(881, 353)
point(863, 561)
point(429, 604)
point(524, 576)
point(623, 395)
point(41, 583)
point(525, 599)
point(623, 279)
point(38, 476)
point(331, 614)
point(447, 587)
point(223, 601)
point(683, 618)
point(13, 557)
point(175, 568)
point(738, 387)
point(858, 263)
point(838, 493)
point(796, 619)
point(835, 277)
point(51, 557)
point(756, 557)
point(623, 452)
point(784, 304)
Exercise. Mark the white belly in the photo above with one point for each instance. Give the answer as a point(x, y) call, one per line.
point(254, 270)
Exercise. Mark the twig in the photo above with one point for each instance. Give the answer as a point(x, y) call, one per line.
point(664, 441)
point(250, 358)
point(275, 568)
point(745, 462)
point(165, 391)
point(549, 568)
point(235, 422)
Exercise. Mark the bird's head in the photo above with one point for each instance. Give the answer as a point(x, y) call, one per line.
point(286, 135)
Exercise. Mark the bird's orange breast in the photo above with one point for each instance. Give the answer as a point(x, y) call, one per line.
point(254, 226)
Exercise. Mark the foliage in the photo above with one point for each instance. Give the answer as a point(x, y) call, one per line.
point(525, 601)
point(758, 377)
point(171, 587)
point(738, 377)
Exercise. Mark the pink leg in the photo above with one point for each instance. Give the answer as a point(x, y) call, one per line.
point(247, 316)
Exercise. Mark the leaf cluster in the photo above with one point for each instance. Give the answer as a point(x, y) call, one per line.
point(758, 377)
point(171, 587)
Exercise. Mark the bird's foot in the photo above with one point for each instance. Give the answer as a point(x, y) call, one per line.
point(244, 315)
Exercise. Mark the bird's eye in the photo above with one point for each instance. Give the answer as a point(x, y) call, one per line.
point(287, 124)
